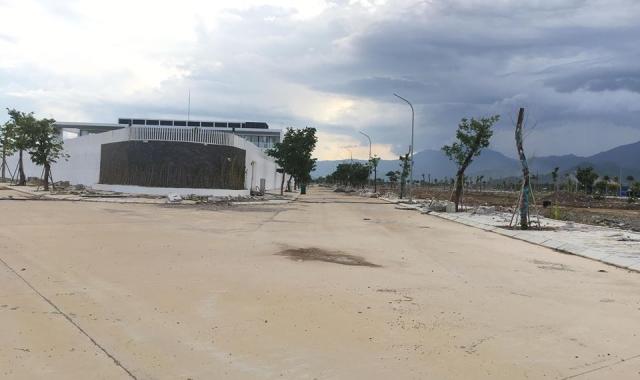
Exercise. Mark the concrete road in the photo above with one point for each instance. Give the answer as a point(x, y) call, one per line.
point(328, 287)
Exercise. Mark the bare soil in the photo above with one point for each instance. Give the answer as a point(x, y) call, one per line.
point(581, 208)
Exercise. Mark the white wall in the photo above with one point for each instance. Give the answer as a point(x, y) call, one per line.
point(83, 165)
point(263, 167)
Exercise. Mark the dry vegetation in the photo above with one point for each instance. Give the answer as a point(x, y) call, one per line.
point(577, 207)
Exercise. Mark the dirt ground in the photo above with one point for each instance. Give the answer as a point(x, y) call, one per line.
point(327, 287)
point(581, 208)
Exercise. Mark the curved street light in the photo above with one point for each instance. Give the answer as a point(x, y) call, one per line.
point(367, 136)
point(411, 146)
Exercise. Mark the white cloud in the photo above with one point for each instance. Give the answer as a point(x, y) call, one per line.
point(331, 64)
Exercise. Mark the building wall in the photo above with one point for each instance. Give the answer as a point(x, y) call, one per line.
point(172, 164)
point(83, 165)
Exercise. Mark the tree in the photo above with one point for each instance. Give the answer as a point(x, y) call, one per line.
point(472, 136)
point(293, 154)
point(45, 146)
point(554, 179)
point(20, 129)
point(634, 190)
point(6, 147)
point(606, 180)
point(405, 165)
point(351, 174)
point(373, 164)
point(586, 177)
point(392, 175)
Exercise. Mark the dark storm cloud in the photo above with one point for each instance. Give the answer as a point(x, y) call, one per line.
point(571, 63)
point(463, 60)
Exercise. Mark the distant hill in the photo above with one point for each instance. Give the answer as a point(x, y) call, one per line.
point(492, 164)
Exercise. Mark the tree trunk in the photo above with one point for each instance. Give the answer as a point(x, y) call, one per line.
point(459, 185)
point(22, 180)
point(282, 184)
point(526, 182)
point(47, 170)
point(4, 159)
point(289, 183)
point(375, 180)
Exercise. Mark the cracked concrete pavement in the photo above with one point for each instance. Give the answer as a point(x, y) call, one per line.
point(103, 290)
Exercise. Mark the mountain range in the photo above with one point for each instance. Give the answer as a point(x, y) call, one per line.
point(622, 161)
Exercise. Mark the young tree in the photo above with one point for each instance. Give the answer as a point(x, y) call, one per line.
point(20, 129)
point(6, 148)
point(472, 136)
point(351, 174)
point(373, 164)
point(586, 177)
point(45, 147)
point(405, 165)
point(606, 180)
point(634, 190)
point(293, 154)
point(554, 178)
point(392, 175)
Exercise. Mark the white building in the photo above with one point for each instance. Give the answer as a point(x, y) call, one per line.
point(257, 133)
point(161, 159)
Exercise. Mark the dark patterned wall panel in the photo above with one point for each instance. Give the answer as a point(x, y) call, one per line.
point(172, 164)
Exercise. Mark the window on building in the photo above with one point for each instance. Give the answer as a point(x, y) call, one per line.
point(193, 123)
point(166, 122)
point(206, 124)
point(124, 121)
point(138, 121)
point(179, 123)
point(153, 122)
point(234, 125)
point(221, 125)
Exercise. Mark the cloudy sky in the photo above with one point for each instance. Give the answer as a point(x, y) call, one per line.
point(334, 65)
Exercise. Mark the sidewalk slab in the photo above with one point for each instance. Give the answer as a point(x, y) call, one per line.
point(616, 247)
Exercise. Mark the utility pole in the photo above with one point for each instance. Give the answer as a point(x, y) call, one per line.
point(411, 151)
point(368, 137)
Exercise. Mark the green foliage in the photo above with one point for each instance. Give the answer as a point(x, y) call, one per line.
point(373, 164)
point(555, 213)
point(393, 175)
point(45, 145)
point(350, 174)
point(6, 139)
point(20, 129)
point(554, 175)
point(293, 154)
point(601, 187)
point(374, 161)
point(472, 136)
point(586, 178)
point(634, 190)
point(405, 166)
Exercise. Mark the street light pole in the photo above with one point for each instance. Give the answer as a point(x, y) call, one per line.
point(411, 151)
point(367, 136)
